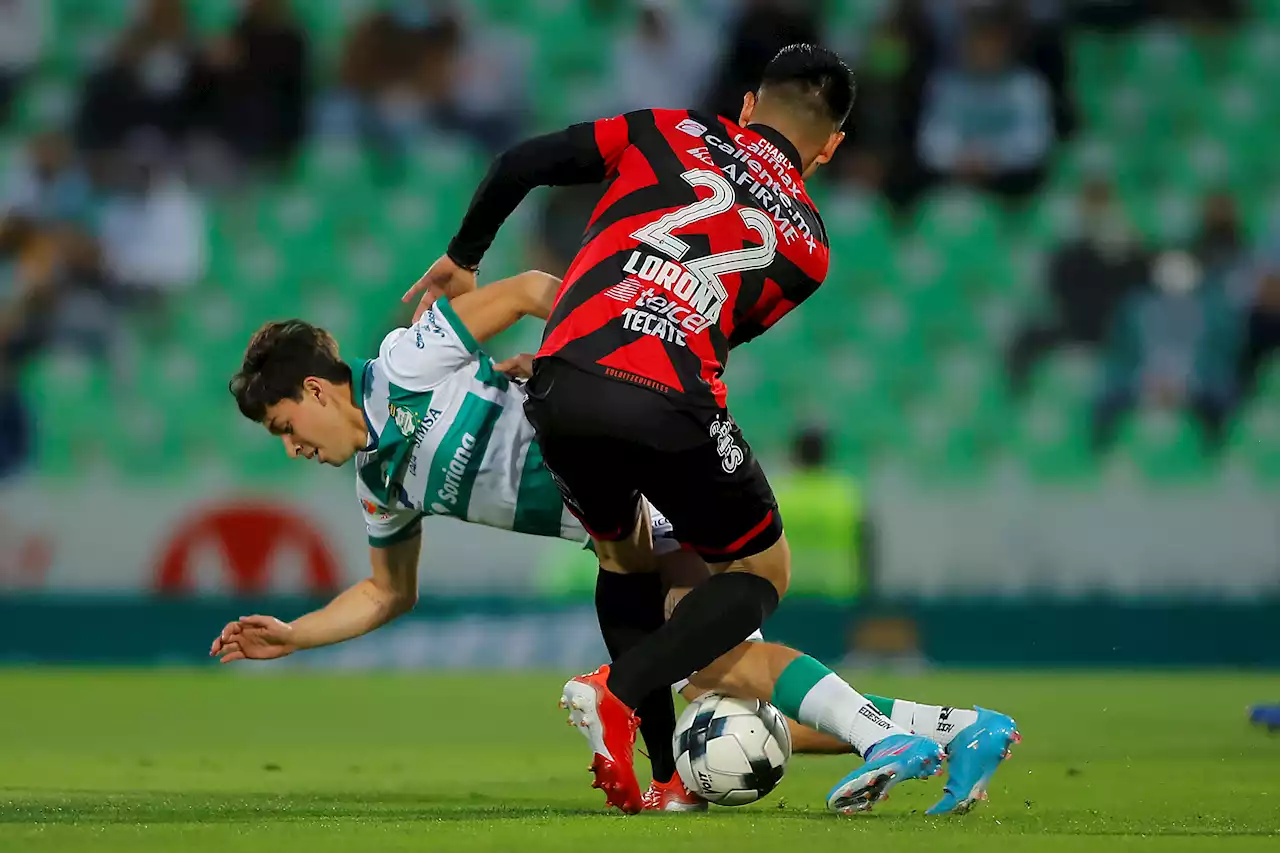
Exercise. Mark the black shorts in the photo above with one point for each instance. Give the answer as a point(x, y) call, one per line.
point(607, 442)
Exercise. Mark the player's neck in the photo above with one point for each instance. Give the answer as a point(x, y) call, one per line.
point(354, 414)
point(775, 129)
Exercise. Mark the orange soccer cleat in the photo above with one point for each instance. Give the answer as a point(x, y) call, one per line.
point(610, 727)
point(672, 796)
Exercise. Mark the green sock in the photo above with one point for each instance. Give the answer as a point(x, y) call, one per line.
point(811, 694)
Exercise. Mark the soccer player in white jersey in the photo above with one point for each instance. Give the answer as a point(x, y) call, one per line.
point(436, 429)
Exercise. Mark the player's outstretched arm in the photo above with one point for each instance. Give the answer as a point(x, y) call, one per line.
point(580, 154)
point(391, 591)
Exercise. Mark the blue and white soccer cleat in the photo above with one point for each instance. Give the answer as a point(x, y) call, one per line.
point(1265, 715)
point(895, 759)
point(973, 758)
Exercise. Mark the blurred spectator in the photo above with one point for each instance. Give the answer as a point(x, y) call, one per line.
point(1204, 13)
point(1089, 279)
point(376, 97)
point(762, 28)
point(1262, 326)
point(890, 72)
point(484, 73)
point(152, 231)
point(662, 62)
point(1220, 245)
point(258, 82)
point(415, 66)
point(990, 120)
point(825, 510)
point(1111, 14)
point(1175, 346)
point(46, 237)
point(1037, 33)
point(152, 82)
point(47, 184)
point(22, 25)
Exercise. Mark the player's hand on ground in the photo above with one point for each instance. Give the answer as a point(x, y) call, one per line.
point(517, 367)
point(445, 278)
point(253, 638)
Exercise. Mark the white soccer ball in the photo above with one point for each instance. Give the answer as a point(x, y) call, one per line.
point(731, 751)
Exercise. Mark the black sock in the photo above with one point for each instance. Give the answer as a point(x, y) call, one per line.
point(712, 619)
point(630, 608)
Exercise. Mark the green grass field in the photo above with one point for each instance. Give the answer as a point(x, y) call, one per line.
point(151, 761)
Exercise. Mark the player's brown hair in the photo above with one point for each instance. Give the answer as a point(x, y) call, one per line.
point(280, 357)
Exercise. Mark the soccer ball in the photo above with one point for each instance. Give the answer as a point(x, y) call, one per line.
point(731, 751)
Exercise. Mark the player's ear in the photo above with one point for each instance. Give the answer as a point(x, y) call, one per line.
point(828, 151)
point(311, 387)
point(748, 109)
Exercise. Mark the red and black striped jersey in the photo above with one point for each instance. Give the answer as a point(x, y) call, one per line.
point(705, 238)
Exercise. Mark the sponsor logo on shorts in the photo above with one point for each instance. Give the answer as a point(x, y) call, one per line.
point(691, 127)
point(432, 323)
point(731, 455)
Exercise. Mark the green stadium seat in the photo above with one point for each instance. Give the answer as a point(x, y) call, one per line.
point(963, 229)
point(1257, 53)
point(1069, 376)
point(1054, 216)
point(968, 382)
point(333, 167)
point(1095, 59)
point(293, 214)
point(1253, 444)
point(1128, 111)
point(1202, 163)
point(43, 102)
point(863, 250)
point(188, 387)
point(69, 395)
point(1162, 447)
point(215, 16)
point(1168, 217)
point(1084, 157)
point(1164, 63)
point(1050, 442)
point(939, 447)
point(141, 441)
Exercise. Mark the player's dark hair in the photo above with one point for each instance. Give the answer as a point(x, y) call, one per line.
point(279, 358)
point(813, 81)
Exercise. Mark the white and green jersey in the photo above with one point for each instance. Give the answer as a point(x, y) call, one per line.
point(448, 436)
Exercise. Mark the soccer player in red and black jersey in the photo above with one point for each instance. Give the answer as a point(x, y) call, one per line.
point(705, 238)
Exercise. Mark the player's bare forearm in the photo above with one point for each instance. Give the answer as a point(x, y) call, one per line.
point(391, 591)
point(356, 611)
point(493, 309)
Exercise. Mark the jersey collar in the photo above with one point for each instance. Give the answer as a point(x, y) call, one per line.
point(361, 375)
point(780, 142)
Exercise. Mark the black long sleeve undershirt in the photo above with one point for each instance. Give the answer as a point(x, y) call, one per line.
point(563, 158)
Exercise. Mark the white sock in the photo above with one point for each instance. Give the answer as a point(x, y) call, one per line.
point(832, 706)
point(936, 722)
